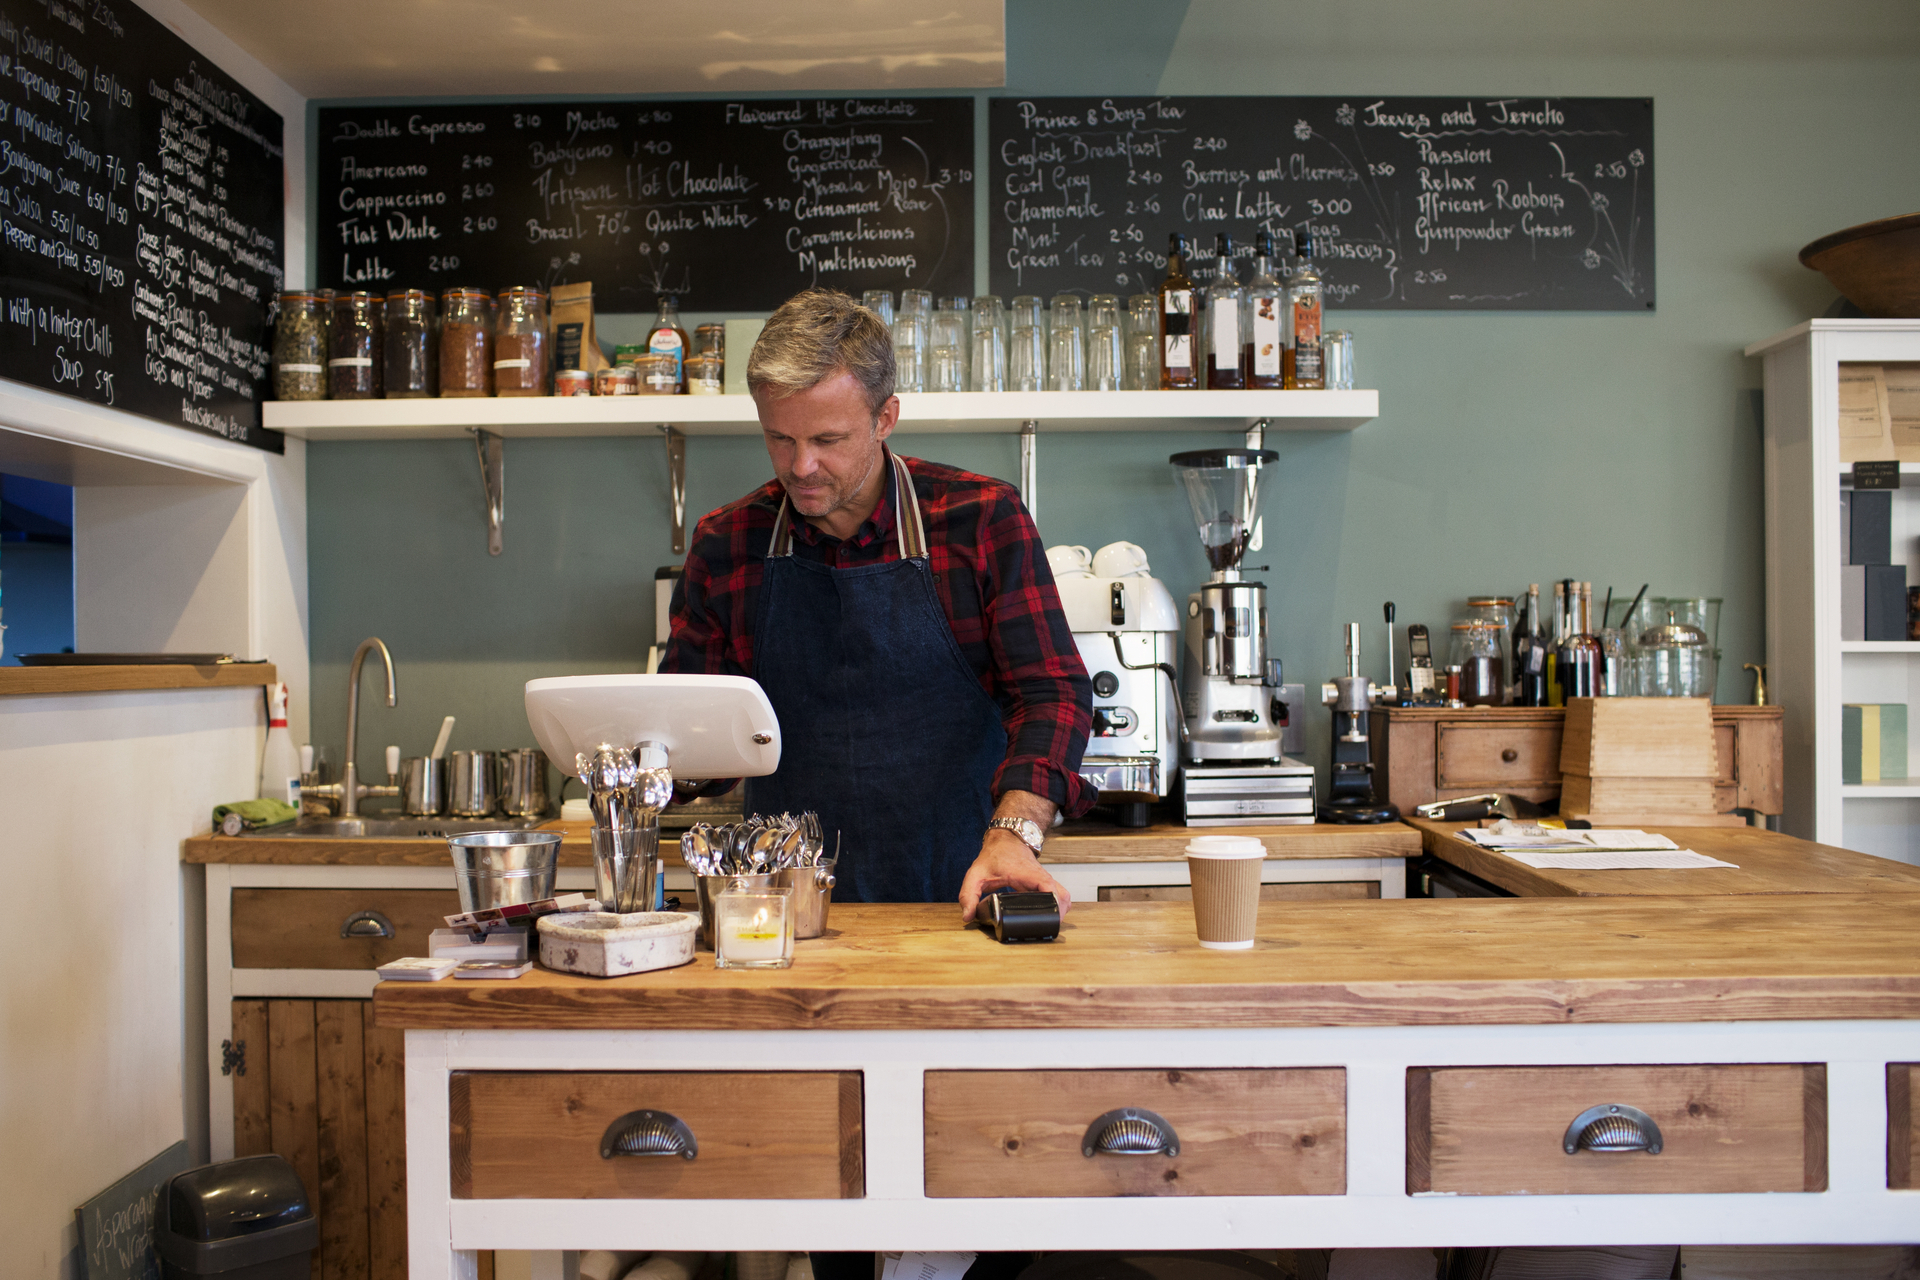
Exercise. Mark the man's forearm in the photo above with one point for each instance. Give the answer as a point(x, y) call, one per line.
point(1025, 804)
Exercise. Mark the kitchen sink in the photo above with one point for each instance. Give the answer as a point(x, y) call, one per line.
point(371, 828)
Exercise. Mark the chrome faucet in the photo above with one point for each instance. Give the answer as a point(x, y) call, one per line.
point(350, 791)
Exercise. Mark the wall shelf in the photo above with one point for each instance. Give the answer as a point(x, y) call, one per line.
point(1885, 789)
point(1880, 646)
point(967, 411)
point(34, 681)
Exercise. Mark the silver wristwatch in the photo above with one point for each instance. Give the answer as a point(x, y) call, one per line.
point(1026, 828)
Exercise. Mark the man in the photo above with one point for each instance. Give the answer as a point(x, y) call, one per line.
point(901, 617)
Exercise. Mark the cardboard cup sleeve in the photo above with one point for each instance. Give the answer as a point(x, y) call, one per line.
point(1226, 889)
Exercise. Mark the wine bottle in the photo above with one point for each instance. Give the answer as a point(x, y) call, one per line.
point(1530, 653)
point(1178, 370)
point(1555, 696)
point(1585, 659)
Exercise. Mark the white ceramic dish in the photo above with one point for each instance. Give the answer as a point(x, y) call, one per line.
point(601, 944)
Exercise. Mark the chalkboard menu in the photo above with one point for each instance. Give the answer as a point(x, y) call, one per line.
point(731, 206)
point(141, 215)
point(1437, 203)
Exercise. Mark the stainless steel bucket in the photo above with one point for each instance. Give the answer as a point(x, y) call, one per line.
point(473, 784)
point(812, 896)
point(423, 786)
point(504, 868)
point(523, 783)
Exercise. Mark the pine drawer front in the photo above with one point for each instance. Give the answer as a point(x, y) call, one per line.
point(756, 1135)
point(1722, 1128)
point(1240, 1132)
point(1494, 756)
point(1903, 1126)
point(301, 928)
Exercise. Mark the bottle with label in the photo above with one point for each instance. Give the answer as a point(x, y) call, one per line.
point(667, 338)
point(1303, 300)
point(1585, 664)
point(1554, 655)
point(1261, 327)
point(280, 764)
point(1530, 653)
point(1226, 334)
point(1178, 371)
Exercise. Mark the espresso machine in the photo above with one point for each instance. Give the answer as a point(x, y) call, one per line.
point(1124, 623)
point(1236, 709)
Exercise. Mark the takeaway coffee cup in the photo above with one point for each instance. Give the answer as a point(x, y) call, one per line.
point(1226, 889)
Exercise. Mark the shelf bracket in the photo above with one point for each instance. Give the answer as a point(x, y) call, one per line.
point(1030, 467)
point(1257, 433)
point(491, 450)
point(677, 482)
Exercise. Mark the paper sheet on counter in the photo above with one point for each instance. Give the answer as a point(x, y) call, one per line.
point(1553, 839)
point(1617, 860)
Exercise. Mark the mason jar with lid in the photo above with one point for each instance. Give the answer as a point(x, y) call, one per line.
point(466, 343)
point(300, 348)
point(520, 354)
point(355, 358)
point(1497, 612)
point(412, 352)
point(1475, 653)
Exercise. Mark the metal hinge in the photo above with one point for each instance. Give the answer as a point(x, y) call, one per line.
point(233, 1057)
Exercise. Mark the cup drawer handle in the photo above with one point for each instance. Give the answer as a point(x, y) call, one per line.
point(1130, 1131)
point(1509, 755)
point(1613, 1126)
point(648, 1133)
point(366, 924)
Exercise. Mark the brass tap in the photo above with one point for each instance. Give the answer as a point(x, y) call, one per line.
point(1759, 670)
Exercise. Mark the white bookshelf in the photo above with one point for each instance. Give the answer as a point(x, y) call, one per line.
point(974, 411)
point(1812, 672)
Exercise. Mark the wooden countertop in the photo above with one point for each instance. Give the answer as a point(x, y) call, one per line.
point(1407, 962)
point(22, 681)
point(1768, 862)
point(1076, 842)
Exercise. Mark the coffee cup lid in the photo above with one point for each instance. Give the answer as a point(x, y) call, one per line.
point(1226, 847)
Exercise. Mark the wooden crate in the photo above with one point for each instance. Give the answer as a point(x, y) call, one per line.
point(1583, 795)
point(1639, 738)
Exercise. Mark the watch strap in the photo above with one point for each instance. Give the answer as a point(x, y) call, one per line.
point(1026, 828)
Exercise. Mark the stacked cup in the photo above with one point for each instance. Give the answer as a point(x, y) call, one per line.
point(1226, 889)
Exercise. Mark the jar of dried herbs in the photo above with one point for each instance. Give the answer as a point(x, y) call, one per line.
point(300, 348)
point(520, 354)
point(412, 352)
point(466, 343)
point(356, 359)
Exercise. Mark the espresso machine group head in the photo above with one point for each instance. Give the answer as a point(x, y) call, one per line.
point(1230, 689)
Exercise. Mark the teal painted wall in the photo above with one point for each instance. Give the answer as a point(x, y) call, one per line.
point(1509, 448)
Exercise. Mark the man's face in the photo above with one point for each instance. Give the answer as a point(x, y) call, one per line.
point(825, 442)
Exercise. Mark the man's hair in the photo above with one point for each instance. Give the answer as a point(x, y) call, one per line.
point(815, 335)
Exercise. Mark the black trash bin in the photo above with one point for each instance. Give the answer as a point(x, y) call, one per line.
point(245, 1219)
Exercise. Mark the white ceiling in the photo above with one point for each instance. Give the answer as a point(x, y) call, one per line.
point(478, 48)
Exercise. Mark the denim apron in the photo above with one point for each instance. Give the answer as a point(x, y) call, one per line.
point(886, 732)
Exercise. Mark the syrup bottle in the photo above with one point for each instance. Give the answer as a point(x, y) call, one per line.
point(1266, 304)
point(1178, 371)
point(667, 338)
point(1303, 297)
point(1226, 333)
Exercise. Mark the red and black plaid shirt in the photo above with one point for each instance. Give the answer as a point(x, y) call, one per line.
point(995, 588)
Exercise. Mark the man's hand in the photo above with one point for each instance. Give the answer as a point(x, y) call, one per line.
point(1005, 861)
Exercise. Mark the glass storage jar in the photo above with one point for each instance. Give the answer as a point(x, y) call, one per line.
point(354, 348)
point(520, 354)
point(1498, 613)
point(1677, 661)
point(466, 343)
point(412, 352)
point(1475, 652)
point(300, 348)
point(706, 375)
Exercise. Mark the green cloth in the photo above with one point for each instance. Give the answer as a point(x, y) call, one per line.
point(256, 813)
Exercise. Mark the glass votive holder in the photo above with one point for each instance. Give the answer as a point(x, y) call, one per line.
point(753, 929)
point(1336, 354)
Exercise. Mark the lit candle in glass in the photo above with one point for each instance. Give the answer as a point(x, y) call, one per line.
point(753, 929)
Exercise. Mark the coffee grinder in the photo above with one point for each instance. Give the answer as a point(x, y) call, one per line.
point(1350, 791)
point(1230, 690)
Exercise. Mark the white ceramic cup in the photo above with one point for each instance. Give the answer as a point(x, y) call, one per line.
point(1068, 561)
point(1120, 560)
point(1225, 871)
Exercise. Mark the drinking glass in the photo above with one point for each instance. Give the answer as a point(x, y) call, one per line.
point(1106, 344)
point(989, 344)
point(1067, 348)
point(909, 353)
point(880, 302)
point(947, 354)
point(1336, 355)
point(1143, 342)
point(1027, 345)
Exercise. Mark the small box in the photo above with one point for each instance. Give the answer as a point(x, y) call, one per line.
point(1639, 738)
point(1870, 527)
point(1853, 602)
point(741, 335)
point(417, 969)
point(1886, 601)
point(459, 944)
point(1873, 742)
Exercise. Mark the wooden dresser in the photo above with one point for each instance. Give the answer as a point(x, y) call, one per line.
point(1424, 754)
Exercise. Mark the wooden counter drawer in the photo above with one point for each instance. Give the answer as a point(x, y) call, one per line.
point(759, 1135)
point(1903, 1126)
point(1241, 1133)
point(1725, 1128)
point(300, 928)
point(1493, 756)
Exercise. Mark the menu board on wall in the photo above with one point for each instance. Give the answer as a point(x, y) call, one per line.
point(1427, 203)
point(730, 206)
point(141, 215)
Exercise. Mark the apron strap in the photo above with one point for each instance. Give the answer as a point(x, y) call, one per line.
point(909, 525)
